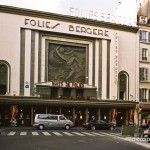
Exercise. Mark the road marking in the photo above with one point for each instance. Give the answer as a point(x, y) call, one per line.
point(57, 133)
point(106, 134)
point(46, 133)
point(23, 133)
point(88, 134)
point(35, 133)
point(98, 134)
point(67, 133)
point(78, 134)
point(12, 133)
point(116, 134)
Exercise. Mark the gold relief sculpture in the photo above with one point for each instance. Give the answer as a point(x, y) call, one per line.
point(66, 63)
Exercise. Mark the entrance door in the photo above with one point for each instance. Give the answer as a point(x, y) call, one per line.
point(120, 119)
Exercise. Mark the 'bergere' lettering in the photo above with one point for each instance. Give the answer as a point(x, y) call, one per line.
point(88, 30)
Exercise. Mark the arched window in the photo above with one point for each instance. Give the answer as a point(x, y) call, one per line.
point(4, 77)
point(123, 86)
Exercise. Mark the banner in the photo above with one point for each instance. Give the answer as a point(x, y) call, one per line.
point(131, 117)
point(114, 116)
point(14, 112)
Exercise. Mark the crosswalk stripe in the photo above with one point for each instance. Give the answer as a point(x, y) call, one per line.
point(57, 133)
point(88, 134)
point(35, 133)
point(106, 133)
point(12, 133)
point(67, 133)
point(23, 133)
point(116, 134)
point(46, 133)
point(97, 134)
point(78, 134)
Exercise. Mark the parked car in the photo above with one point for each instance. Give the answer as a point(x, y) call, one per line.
point(42, 121)
point(145, 125)
point(98, 124)
point(146, 134)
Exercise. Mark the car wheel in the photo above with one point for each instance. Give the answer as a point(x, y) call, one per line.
point(41, 127)
point(112, 128)
point(67, 127)
point(93, 128)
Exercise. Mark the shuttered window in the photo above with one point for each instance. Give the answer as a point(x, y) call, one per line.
point(143, 74)
point(143, 36)
point(144, 54)
point(143, 94)
point(148, 36)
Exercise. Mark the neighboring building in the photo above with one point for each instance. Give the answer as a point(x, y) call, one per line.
point(144, 51)
point(60, 64)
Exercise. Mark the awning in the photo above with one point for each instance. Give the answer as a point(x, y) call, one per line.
point(145, 106)
point(22, 100)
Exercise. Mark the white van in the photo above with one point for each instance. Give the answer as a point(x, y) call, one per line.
point(42, 121)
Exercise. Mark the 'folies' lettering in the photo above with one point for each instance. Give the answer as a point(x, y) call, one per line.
point(40, 24)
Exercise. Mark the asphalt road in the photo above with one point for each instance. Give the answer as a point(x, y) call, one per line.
point(64, 140)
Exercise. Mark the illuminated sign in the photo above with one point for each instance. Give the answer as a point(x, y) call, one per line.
point(91, 14)
point(64, 84)
point(116, 58)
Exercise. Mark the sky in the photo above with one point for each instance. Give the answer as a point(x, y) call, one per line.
point(91, 9)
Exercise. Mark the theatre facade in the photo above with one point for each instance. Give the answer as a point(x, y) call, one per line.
point(82, 68)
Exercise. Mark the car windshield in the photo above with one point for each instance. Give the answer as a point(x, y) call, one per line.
point(97, 121)
point(92, 121)
point(100, 122)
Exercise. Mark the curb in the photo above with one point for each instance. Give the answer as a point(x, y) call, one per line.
point(129, 139)
point(31, 128)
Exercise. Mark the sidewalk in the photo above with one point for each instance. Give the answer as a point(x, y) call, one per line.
point(131, 139)
point(30, 127)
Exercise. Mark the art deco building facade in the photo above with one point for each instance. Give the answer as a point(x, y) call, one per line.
point(78, 67)
point(144, 65)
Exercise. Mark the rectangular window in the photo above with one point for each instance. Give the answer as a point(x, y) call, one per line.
point(43, 117)
point(144, 54)
point(53, 117)
point(143, 95)
point(148, 36)
point(79, 93)
point(143, 36)
point(66, 92)
point(143, 74)
point(149, 95)
point(54, 92)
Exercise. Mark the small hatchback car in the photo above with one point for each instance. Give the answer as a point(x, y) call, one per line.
point(98, 124)
point(42, 121)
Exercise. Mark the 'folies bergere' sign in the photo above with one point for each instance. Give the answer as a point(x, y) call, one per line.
point(71, 28)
